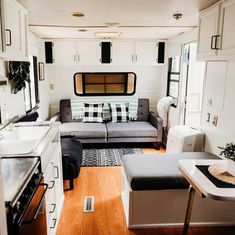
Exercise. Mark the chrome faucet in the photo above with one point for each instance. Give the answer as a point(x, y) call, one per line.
point(15, 118)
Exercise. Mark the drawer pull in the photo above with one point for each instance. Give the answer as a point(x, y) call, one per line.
point(52, 185)
point(54, 206)
point(53, 224)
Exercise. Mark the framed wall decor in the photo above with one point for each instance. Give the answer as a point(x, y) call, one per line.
point(41, 71)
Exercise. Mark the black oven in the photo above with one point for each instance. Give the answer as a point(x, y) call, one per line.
point(28, 215)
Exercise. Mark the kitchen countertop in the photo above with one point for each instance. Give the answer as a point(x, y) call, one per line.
point(16, 173)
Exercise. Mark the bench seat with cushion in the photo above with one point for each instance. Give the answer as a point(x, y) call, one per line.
point(155, 193)
point(147, 127)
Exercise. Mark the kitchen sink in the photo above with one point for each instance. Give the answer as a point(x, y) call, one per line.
point(23, 139)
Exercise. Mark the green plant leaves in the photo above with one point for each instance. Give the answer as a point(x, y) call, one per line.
point(19, 74)
point(228, 151)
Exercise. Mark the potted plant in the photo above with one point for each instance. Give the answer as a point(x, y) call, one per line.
point(229, 152)
point(19, 74)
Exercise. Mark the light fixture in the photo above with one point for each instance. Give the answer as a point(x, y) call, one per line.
point(78, 14)
point(177, 16)
point(107, 34)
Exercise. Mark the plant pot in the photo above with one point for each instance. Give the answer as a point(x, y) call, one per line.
point(230, 167)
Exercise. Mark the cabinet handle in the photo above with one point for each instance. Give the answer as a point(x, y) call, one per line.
point(57, 172)
point(78, 57)
point(53, 224)
point(213, 47)
point(9, 31)
point(74, 58)
point(136, 57)
point(54, 206)
point(216, 42)
point(53, 184)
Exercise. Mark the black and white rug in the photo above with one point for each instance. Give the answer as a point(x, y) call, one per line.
point(106, 157)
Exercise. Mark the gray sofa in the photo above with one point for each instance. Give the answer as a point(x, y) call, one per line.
point(147, 127)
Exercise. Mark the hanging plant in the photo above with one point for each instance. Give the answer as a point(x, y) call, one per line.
point(19, 74)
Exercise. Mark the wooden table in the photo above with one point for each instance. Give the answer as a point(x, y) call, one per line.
point(200, 184)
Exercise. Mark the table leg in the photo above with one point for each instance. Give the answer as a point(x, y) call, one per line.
point(189, 210)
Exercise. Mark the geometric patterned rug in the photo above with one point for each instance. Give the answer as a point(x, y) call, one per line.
point(106, 157)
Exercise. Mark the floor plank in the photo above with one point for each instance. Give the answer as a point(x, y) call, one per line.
point(108, 219)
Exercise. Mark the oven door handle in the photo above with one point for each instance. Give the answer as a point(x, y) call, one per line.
point(38, 206)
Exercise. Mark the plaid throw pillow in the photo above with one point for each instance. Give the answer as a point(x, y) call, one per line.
point(119, 112)
point(93, 113)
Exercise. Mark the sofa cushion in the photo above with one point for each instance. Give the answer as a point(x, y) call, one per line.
point(158, 171)
point(83, 130)
point(131, 129)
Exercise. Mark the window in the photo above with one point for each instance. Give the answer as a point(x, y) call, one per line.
point(31, 92)
point(104, 84)
point(173, 77)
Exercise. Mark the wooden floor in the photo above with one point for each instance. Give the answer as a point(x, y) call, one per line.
point(108, 219)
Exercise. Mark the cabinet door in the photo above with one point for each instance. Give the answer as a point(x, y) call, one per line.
point(57, 168)
point(13, 22)
point(208, 29)
point(146, 53)
point(123, 53)
point(88, 53)
point(65, 52)
point(227, 29)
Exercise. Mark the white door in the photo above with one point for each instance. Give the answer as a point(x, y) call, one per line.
point(88, 52)
point(192, 86)
point(13, 26)
point(123, 53)
point(227, 29)
point(65, 52)
point(146, 53)
point(208, 30)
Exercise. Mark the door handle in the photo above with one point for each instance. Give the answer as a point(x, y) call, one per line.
point(9, 31)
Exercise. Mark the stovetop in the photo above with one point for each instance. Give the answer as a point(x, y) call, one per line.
point(16, 174)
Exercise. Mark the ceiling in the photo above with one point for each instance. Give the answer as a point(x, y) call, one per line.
point(136, 18)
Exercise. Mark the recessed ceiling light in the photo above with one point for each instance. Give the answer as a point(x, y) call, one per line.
point(107, 34)
point(78, 14)
point(177, 16)
point(82, 30)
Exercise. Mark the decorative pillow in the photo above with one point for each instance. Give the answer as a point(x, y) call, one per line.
point(119, 112)
point(93, 112)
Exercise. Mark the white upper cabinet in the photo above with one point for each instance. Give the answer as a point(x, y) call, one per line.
point(65, 52)
point(227, 29)
point(15, 30)
point(208, 32)
point(87, 52)
point(123, 53)
point(216, 35)
point(146, 53)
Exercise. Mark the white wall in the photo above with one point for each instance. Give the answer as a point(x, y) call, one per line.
point(219, 97)
point(36, 48)
point(149, 81)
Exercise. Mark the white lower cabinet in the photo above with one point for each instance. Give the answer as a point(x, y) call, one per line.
point(53, 176)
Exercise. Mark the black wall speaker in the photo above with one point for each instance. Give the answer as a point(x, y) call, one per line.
point(48, 52)
point(161, 52)
point(106, 52)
